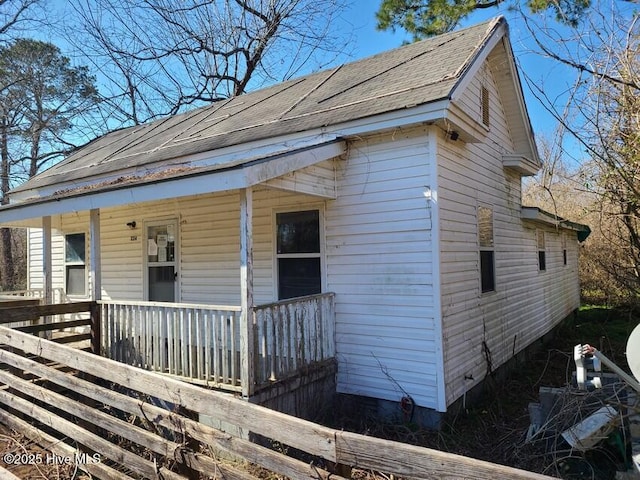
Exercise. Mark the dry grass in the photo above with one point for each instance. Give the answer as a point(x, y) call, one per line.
point(29, 461)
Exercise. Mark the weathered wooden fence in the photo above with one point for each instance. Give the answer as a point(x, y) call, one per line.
point(58, 295)
point(119, 422)
point(82, 330)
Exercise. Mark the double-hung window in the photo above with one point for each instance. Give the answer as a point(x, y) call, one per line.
point(74, 264)
point(298, 253)
point(542, 254)
point(485, 238)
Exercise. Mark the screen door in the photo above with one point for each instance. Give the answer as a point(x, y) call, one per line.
point(162, 266)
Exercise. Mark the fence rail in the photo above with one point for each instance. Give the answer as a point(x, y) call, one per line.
point(82, 330)
point(58, 294)
point(199, 342)
point(96, 391)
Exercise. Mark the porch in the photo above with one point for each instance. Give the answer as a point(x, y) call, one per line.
point(161, 257)
point(201, 344)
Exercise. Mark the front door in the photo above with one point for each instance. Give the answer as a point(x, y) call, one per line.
point(161, 261)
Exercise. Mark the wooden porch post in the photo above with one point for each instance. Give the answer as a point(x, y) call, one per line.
point(247, 350)
point(95, 275)
point(46, 260)
point(94, 254)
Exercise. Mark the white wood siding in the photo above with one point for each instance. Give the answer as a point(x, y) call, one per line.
point(34, 259)
point(379, 264)
point(61, 225)
point(377, 259)
point(482, 331)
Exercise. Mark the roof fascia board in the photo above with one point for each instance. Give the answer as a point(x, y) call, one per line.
point(536, 215)
point(500, 31)
point(427, 113)
point(500, 34)
point(228, 157)
point(240, 176)
point(524, 112)
point(521, 164)
point(469, 129)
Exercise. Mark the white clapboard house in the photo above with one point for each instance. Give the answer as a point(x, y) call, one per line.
point(361, 225)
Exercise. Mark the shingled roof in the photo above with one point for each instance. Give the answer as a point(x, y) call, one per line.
point(406, 77)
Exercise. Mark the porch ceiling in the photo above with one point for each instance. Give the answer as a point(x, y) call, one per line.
point(197, 181)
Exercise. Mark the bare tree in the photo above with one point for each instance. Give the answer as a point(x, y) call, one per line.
point(604, 101)
point(16, 15)
point(159, 57)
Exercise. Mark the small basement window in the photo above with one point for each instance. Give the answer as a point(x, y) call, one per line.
point(74, 264)
point(487, 260)
point(542, 256)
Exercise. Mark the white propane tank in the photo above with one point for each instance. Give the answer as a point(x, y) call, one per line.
point(633, 352)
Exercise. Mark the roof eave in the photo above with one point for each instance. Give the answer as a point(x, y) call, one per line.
point(542, 217)
point(189, 183)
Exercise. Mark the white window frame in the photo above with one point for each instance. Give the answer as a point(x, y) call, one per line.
point(276, 256)
point(540, 234)
point(486, 248)
point(72, 264)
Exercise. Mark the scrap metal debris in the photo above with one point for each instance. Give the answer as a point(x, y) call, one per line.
point(591, 428)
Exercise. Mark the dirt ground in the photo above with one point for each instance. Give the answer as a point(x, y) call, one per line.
point(28, 461)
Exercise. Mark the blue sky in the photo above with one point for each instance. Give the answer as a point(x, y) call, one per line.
point(557, 79)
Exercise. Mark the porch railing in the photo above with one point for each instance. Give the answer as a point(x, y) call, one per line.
point(58, 294)
point(31, 297)
point(199, 342)
point(293, 334)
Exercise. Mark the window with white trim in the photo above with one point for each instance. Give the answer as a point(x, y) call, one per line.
point(487, 260)
point(298, 253)
point(563, 239)
point(75, 268)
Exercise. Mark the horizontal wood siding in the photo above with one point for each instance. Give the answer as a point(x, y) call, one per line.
point(34, 258)
point(209, 233)
point(317, 179)
point(482, 331)
point(266, 202)
point(209, 249)
point(379, 264)
point(61, 225)
point(77, 222)
point(209, 230)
